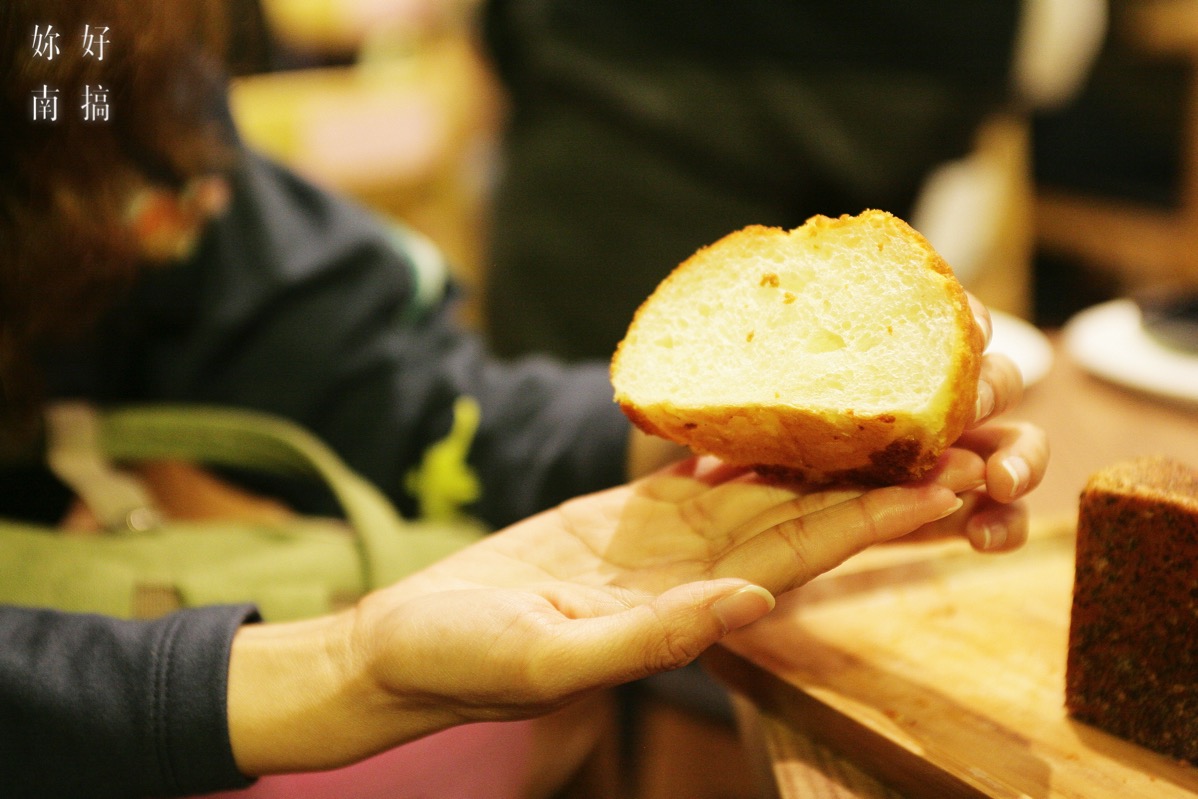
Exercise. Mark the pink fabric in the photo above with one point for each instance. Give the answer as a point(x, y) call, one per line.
point(475, 761)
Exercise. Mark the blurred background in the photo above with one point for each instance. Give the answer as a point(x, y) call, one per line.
point(387, 101)
point(1063, 202)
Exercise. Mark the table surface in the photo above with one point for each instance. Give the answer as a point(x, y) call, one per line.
point(1090, 424)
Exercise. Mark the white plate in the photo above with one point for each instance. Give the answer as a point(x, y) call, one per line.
point(1023, 343)
point(1109, 341)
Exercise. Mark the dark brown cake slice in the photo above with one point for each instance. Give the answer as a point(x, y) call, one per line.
point(1133, 641)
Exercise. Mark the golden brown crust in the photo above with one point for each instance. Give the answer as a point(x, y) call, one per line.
point(803, 447)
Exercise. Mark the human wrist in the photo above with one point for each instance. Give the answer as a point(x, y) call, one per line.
point(300, 697)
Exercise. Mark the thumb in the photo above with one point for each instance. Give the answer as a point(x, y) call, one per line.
point(696, 615)
point(742, 607)
point(674, 628)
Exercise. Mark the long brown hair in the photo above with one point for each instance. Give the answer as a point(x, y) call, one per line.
point(65, 249)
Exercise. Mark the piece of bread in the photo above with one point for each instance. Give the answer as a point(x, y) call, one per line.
point(843, 350)
point(1132, 664)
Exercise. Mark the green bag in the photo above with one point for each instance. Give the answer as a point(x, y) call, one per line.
point(143, 567)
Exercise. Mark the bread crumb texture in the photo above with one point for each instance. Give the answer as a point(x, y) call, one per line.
point(842, 349)
point(1132, 665)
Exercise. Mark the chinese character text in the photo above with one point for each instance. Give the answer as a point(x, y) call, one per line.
point(95, 103)
point(45, 42)
point(45, 104)
point(94, 41)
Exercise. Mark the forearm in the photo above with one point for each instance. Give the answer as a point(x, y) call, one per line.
point(301, 698)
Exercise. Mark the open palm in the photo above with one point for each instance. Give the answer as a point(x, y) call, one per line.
point(617, 585)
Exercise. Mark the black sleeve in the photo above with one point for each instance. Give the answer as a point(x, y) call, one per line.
point(96, 707)
point(304, 305)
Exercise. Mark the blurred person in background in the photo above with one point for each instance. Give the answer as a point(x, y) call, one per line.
point(641, 131)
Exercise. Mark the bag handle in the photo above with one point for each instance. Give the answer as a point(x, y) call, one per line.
point(255, 440)
point(119, 500)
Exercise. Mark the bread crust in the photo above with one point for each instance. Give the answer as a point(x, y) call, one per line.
point(796, 443)
point(1132, 667)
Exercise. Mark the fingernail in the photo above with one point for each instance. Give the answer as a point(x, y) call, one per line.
point(956, 506)
point(989, 535)
point(986, 325)
point(1020, 474)
point(985, 402)
point(743, 607)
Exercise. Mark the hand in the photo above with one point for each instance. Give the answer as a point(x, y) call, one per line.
point(618, 585)
point(602, 590)
point(1015, 457)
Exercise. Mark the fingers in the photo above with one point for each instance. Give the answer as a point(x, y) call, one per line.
point(742, 507)
point(786, 553)
point(1015, 453)
point(716, 500)
point(988, 525)
point(995, 526)
point(1016, 456)
point(981, 315)
point(665, 633)
point(1000, 387)
point(742, 607)
point(1004, 461)
point(958, 469)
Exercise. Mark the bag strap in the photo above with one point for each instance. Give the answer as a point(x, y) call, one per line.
point(119, 500)
point(250, 439)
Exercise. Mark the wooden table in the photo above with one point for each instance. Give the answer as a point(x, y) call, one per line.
point(917, 671)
